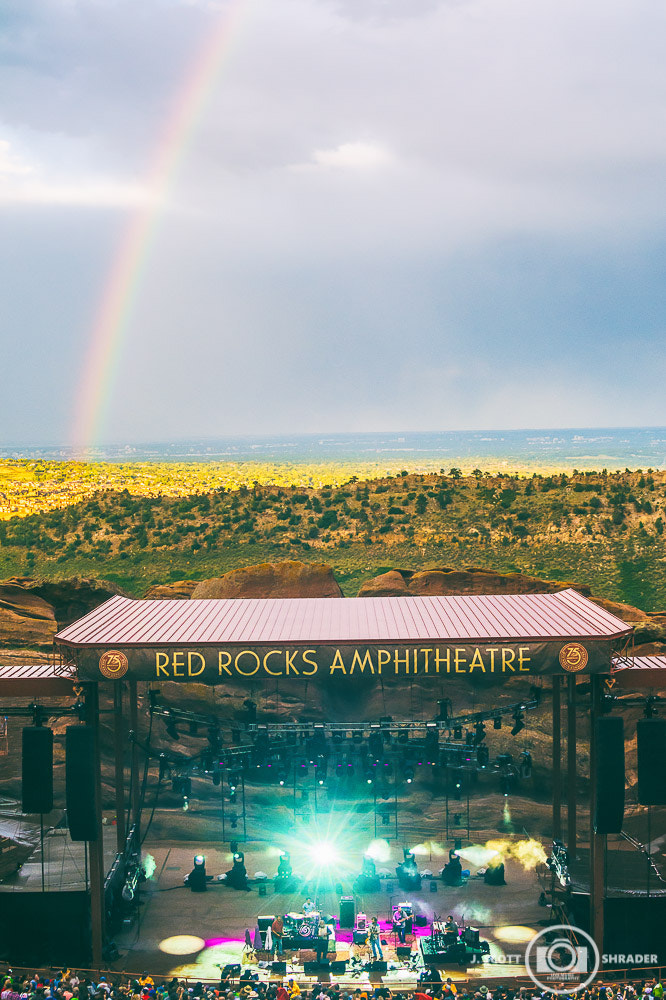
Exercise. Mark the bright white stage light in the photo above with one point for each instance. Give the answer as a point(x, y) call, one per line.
point(324, 853)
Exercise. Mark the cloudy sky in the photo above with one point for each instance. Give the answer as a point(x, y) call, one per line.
point(341, 215)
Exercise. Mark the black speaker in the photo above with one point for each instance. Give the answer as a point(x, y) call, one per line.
point(609, 802)
point(279, 967)
point(433, 885)
point(80, 782)
point(421, 920)
point(37, 770)
point(347, 911)
point(262, 888)
point(338, 968)
point(378, 965)
point(651, 735)
point(313, 968)
point(403, 950)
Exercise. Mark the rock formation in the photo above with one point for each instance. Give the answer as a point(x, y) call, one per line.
point(180, 590)
point(282, 579)
point(25, 618)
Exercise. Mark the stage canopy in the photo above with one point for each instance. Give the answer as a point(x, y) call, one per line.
point(224, 641)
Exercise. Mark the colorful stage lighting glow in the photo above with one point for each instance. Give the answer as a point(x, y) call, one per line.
point(181, 944)
point(515, 934)
point(477, 855)
point(379, 850)
point(324, 854)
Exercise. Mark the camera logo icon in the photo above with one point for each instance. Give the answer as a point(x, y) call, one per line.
point(553, 957)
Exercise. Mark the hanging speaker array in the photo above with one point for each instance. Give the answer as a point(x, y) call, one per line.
point(609, 799)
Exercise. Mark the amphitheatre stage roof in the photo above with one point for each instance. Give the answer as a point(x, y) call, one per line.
point(214, 640)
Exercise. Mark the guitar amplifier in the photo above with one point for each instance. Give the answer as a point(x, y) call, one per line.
point(360, 937)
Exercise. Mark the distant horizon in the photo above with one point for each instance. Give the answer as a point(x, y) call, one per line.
point(559, 447)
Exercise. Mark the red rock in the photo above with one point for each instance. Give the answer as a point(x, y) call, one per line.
point(282, 579)
point(180, 590)
point(391, 584)
point(25, 618)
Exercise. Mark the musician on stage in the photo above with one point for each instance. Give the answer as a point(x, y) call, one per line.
point(400, 918)
point(277, 932)
point(451, 927)
point(308, 907)
point(375, 938)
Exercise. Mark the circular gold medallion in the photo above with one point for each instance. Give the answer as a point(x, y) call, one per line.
point(113, 664)
point(573, 657)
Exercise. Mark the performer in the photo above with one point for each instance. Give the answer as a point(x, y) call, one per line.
point(375, 938)
point(400, 918)
point(451, 926)
point(277, 930)
point(321, 943)
point(308, 906)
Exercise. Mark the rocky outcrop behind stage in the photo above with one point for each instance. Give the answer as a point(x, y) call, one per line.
point(25, 618)
point(282, 579)
point(473, 580)
point(70, 599)
point(180, 590)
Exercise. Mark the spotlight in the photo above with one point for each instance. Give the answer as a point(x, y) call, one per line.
point(197, 877)
point(497, 722)
point(376, 746)
point(457, 732)
point(518, 722)
point(479, 733)
point(172, 726)
point(445, 709)
point(470, 739)
point(409, 774)
point(482, 756)
point(284, 871)
point(525, 764)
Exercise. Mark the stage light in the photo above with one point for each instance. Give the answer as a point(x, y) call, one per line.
point(445, 709)
point(172, 727)
point(479, 733)
point(525, 764)
point(457, 732)
point(482, 756)
point(324, 853)
point(497, 722)
point(196, 880)
point(182, 944)
point(518, 722)
point(409, 774)
point(376, 746)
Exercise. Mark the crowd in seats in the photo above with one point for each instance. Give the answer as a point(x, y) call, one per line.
point(67, 985)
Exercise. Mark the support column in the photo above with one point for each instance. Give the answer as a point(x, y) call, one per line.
point(557, 759)
point(134, 759)
point(96, 847)
point(119, 743)
point(571, 767)
point(597, 840)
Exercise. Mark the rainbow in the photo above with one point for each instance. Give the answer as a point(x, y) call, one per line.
point(123, 283)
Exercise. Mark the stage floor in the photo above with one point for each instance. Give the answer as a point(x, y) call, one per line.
point(193, 934)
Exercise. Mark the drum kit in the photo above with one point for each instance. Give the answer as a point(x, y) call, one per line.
point(301, 926)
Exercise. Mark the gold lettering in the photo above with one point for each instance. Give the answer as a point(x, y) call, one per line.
point(223, 666)
point(416, 653)
point(459, 660)
point(427, 653)
point(477, 661)
point(401, 659)
point(383, 657)
point(523, 659)
point(311, 663)
point(272, 652)
point(290, 657)
point(161, 661)
point(492, 651)
point(338, 663)
point(176, 662)
point(362, 663)
point(246, 652)
point(508, 656)
point(443, 659)
point(190, 656)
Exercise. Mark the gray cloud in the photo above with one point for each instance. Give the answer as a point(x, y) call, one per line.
point(377, 197)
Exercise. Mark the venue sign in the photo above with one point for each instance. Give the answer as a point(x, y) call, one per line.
point(222, 664)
